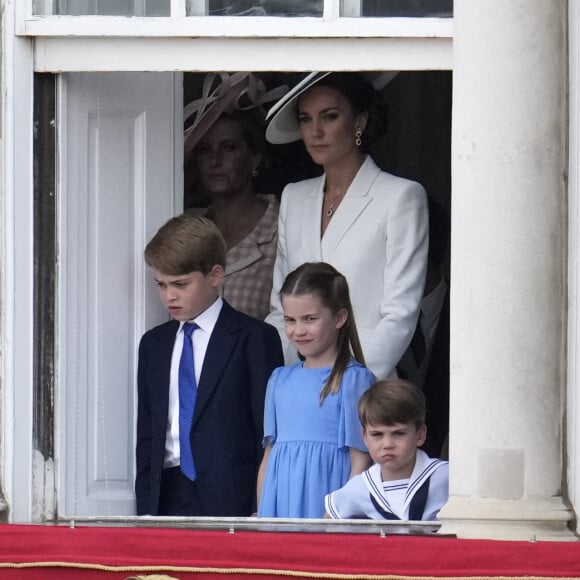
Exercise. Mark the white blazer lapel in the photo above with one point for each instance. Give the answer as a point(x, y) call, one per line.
point(311, 218)
point(356, 199)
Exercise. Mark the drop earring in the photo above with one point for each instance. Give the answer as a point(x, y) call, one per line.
point(255, 173)
point(358, 136)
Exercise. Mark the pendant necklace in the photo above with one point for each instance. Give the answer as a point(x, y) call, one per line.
point(331, 209)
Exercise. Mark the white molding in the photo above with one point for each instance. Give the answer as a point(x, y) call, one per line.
point(16, 257)
point(23, 11)
point(573, 382)
point(352, 8)
point(178, 152)
point(211, 54)
point(197, 7)
point(130, 125)
point(177, 9)
point(61, 290)
point(331, 10)
point(238, 27)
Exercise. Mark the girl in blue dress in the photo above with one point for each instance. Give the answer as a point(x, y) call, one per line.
point(312, 434)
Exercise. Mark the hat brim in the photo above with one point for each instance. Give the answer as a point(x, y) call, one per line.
point(283, 126)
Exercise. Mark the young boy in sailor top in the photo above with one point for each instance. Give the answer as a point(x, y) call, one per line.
point(404, 483)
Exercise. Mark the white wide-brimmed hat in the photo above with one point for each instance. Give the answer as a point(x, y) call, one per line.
point(282, 118)
point(283, 124)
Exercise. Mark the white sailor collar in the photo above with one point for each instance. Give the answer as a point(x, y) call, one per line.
point(424, 468)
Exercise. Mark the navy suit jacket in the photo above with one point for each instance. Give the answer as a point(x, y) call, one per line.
point(228, 418)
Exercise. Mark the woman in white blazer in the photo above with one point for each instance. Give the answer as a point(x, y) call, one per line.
point(370, 225)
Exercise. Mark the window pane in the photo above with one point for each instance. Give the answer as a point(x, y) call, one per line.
point(258, 7)
point(405, 8)
point(102, 7)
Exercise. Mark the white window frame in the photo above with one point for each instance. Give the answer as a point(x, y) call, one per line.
point(178, 43)
point(183, 43)
point(178, 24)
point(236, 27)
point(16, 278)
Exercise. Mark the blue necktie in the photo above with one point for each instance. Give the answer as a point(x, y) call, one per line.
point(187, 395)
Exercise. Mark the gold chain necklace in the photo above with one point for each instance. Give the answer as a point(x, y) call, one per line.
point(330, 211)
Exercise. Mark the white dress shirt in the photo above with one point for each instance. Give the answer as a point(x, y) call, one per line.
point(200, 339)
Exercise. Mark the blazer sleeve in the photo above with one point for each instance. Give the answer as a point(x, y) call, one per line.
point(265, 355)
point(143, 445)
point(405, 267)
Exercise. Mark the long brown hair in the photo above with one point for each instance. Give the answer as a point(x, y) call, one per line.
point(331, 287)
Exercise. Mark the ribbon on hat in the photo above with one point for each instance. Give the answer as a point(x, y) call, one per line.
point(240, 91)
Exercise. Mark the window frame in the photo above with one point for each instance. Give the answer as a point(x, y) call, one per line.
point(92, 43)
point(183, 43)
point(178, 11)
point(235, 27)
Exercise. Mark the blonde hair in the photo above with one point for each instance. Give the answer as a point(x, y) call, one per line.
point(184, 244)
point(331, 287)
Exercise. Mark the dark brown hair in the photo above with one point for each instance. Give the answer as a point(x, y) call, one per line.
point(184, 244)
point(356, 89)
point(353, 86)
point(391, 401)
point(331, 287)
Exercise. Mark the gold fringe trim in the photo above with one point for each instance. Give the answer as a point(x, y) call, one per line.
point(269, 572)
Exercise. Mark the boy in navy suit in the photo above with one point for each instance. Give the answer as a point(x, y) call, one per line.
point(201, 383)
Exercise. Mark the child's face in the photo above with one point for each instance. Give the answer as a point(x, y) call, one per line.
point(394, 447)
point(189, 295)
point(312, 328)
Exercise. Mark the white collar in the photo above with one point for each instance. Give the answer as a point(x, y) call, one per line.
point(208, 318)
point(424, 468)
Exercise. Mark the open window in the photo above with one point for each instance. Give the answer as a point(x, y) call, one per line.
point(118, 87)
